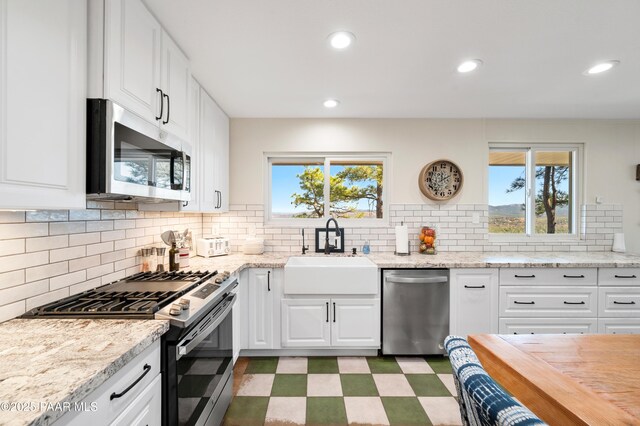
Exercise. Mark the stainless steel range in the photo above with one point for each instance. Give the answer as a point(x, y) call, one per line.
point(197, 351)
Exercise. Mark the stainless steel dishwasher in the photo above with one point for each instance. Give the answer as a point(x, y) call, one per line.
point(415, 311)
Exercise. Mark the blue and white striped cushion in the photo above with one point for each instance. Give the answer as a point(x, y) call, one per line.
point(482, 401)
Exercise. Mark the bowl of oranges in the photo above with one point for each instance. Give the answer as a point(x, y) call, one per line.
point(427, 239)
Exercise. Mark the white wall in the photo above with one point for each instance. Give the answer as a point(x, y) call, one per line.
point(612, 150)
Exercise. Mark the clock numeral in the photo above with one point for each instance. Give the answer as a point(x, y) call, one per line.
point(455, 187)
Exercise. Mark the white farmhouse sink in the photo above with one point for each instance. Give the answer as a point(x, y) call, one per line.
point(330, 275)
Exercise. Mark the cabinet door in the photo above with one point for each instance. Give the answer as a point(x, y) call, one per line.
point(261, 297)
point(474, 301)
point(133, 54)
point(355, 322)
point(221, 168)
point(146, 409)
point(306, 322)
point(194, 138)
point(548, 302)
point(208, 195)
point(176, 76)
point(43, 71)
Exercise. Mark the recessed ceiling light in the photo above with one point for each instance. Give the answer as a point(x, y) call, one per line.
point(331, 103)
point(601, 67)
point(468, 66)
point(341, 39)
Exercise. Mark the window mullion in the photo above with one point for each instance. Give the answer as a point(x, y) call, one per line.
point(327, 188)
point(530, 212)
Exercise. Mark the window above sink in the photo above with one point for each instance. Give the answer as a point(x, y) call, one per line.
point(298, 184)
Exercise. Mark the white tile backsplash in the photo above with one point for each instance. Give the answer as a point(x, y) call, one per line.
point(46, 255)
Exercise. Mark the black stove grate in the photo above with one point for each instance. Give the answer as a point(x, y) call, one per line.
point(101, 303)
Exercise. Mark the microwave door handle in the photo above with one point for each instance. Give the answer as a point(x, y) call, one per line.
point(184, 171)
point(184, 348)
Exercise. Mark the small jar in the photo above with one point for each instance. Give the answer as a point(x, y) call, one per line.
point(146, 255)
point(427, 243)
point(366, 249)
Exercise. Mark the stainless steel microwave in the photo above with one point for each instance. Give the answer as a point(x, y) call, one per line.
point(130, 159)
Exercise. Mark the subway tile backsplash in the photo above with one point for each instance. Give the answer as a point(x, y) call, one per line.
point(460, 227)
point(49, 254)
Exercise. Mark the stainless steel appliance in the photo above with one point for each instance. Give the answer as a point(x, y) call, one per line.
point(131, 159)
point(197, 351)
point(209, 247)
point(415, 311)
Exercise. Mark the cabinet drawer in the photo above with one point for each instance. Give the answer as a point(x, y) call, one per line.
point(548, 276)
point(548, 325)
point(619, 277)
point(548, 301)
point(107, 409)
point(619, 302)
point(619, 325)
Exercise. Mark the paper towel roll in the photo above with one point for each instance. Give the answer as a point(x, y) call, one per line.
point(402, 239)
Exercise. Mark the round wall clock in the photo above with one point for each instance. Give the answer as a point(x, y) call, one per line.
point(440, 180)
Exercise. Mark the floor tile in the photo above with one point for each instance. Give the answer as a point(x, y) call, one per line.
point(393, 385)
point(256, 385)
point(326, 411)
point(383, 365)
point(439, 364)
point(353, 365)
point(292, 365)
point(358, 385)
point(289, 385)
point(441, 410)
point(447, 380)
point(238, 372)
point(427, 385)
point(246, 411)
point(414, 365)
point(265, 365)
point(365, 410)
point(322, 365)
point(289, 411)
point(324, 385)
point(405, 411)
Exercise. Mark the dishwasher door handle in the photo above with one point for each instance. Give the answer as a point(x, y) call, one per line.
point(416, 280)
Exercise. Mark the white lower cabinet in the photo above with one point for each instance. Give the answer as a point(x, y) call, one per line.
point(335, 322)
point(264, 307)
point(548, 325)
point(548, 301)
point(619, 325)
point(474, 301)
point(132, 396)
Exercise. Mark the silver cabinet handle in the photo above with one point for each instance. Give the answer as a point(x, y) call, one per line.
point(408, 280)
point(185, 348)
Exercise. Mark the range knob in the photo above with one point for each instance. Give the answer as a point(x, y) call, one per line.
point(218, 280)
point(175, 309)
point(184, 303)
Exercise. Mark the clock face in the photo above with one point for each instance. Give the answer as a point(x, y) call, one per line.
point(440, 180)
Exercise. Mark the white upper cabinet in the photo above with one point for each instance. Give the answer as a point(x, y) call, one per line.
point(194, 136)
point(43, 67)
point(214, 145)
point(176, 76)
point(133, 46)
point(141, 67)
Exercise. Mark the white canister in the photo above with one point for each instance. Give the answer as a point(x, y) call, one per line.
point(618, 243)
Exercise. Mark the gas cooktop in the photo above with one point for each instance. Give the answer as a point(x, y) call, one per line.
point(137, 296)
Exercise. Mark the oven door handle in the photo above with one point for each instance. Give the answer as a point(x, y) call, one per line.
point(183, 349)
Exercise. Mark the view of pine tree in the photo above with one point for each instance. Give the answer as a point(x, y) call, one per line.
point(549, 197)
point(347, 188)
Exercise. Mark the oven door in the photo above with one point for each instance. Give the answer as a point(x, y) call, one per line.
point(204, 367)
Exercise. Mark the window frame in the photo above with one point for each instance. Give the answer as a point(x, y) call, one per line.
point(576, 188)
point(271, 158)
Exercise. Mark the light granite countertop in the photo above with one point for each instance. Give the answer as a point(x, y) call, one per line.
point(63, 360)
point(237, 262)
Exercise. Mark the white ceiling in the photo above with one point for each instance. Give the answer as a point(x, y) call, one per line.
point(270, 58)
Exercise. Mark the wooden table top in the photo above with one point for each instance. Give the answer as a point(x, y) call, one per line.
point(568, 379)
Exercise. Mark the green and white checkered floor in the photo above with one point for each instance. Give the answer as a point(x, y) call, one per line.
point(343, 390)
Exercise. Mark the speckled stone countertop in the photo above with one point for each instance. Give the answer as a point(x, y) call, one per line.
point(63, 360)
point(237, 262)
